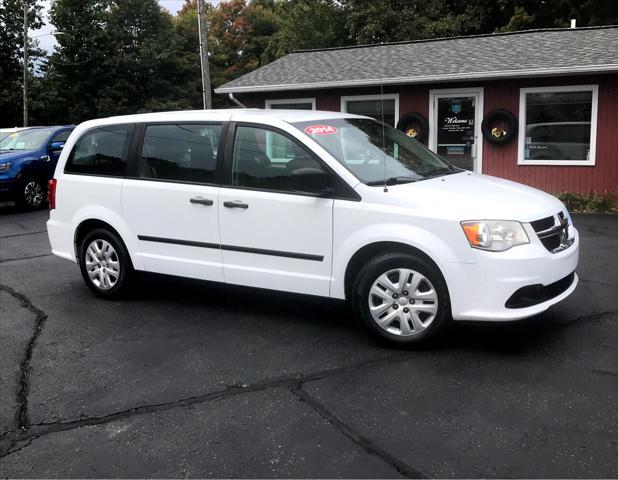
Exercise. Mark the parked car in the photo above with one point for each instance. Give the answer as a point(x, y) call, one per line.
point(5, 132)
point(558, 141)
point(28, 158)
point(321, 203)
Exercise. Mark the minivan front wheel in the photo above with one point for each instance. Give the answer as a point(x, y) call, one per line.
point(105, 264)
point(402, 298)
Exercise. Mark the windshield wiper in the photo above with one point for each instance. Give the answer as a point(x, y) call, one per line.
point(392, 181)
point(440, 173)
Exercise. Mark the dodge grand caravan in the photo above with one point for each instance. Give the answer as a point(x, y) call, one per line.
point(320, 203)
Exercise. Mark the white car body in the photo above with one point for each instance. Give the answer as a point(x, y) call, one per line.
point(325, 232)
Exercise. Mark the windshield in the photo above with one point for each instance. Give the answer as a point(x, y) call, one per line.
point(376, 153)
point(26, 139)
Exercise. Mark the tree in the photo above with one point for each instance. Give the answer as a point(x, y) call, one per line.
point(11, 55)
point(305, 25)
point(120, 57)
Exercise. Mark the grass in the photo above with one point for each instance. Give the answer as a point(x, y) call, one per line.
point(589, 202)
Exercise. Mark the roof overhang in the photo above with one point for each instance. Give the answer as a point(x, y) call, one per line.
point(453, 77)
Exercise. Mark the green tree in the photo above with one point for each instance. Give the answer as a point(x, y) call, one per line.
point(119, 57)
point(11, 55)
point(307, 24)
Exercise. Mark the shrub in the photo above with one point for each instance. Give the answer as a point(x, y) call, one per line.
point(589, 202)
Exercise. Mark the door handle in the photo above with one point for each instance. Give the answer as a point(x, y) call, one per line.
point(201, 201)
point(235, 204)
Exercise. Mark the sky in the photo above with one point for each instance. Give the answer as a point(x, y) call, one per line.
point(47, 41)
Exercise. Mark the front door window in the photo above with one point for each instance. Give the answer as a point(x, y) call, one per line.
point(455, 128)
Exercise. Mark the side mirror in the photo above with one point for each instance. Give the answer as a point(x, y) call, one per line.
point(56, 147)
point(312, 180)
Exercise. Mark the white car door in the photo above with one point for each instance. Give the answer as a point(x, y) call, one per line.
point(172, 203)
point(273, 235)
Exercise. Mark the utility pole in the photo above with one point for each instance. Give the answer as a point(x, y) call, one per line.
point(205, 66)
point(25, 63)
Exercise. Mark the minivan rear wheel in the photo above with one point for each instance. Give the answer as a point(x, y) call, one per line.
point(105, 264)
point(402, 298)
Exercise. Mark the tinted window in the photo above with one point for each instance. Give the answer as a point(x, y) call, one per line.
point(62, 136)
point(102, 151)
point(377, 109)
point(291, 106)
point(266, 159)
point(180, 152)
point(558, 125)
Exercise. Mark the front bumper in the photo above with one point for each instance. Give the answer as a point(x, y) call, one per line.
point(7, 189)
point(481, 290)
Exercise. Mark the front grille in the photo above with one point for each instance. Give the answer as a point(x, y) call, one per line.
point(534, 294)
point(553, 232)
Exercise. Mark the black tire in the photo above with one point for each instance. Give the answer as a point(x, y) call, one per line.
point(31, 193)
point(505, 125)
point(420, 123)
point(123, 280)
point(381, 264)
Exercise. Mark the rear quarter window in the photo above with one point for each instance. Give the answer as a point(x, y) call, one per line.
point(101, 151)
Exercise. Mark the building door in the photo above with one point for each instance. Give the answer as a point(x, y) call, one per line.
point(455, 126)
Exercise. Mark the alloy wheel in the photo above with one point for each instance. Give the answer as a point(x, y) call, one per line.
point(403, 302)
point(102, 264)
point(33, 194)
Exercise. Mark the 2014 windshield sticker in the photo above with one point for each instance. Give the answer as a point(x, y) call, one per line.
point(320, 130)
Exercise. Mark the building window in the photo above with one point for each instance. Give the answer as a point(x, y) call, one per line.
point(291, 104)
point(558, 125)
point(374, 106)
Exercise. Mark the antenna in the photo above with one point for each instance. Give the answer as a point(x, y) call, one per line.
point(383, 137)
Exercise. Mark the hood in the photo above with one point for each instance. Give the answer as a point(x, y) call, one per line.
point(12, 155)
point(481, 197)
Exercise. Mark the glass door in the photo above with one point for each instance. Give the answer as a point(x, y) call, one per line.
point(455, 127)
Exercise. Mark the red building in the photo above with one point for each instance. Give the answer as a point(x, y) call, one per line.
point(538, 107)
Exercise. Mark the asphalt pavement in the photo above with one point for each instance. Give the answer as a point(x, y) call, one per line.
point(193, 379)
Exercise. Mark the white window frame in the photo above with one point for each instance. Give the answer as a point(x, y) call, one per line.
point(593, 125)
point(282, 101)
point(479, 110)
point(386, 96)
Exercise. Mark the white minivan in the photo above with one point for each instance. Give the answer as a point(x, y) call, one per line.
point(320, 203)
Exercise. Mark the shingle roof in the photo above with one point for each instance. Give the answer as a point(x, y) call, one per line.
point(525, 54)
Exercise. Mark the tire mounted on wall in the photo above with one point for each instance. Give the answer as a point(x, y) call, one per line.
point(414, 125)
point(499, 127)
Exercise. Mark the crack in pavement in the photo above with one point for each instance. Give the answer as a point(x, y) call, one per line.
point(22, 234)
point(363, 442)
point(11, 438)
point(606, 284)
point(26, 258)
point(27, 432)
point(22, 419)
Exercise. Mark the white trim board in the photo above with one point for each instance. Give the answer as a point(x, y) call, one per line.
point(521, 141)
point(479, 93)
point(284, 101)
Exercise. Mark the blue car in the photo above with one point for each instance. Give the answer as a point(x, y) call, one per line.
point(27, 162)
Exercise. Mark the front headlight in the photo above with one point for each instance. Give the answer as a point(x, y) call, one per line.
point(494, 235)
point(5, 167)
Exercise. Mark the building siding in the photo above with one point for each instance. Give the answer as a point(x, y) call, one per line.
point(501, 161)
